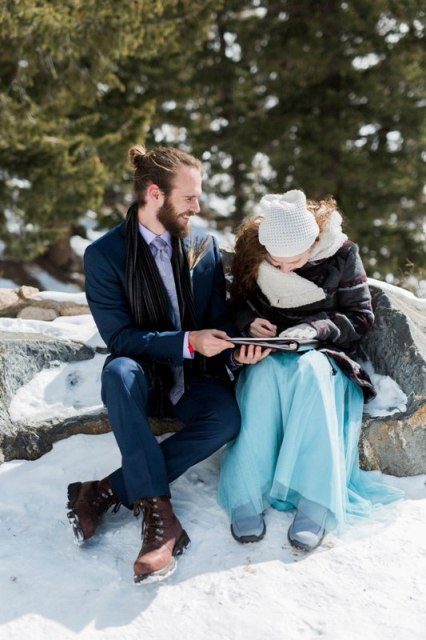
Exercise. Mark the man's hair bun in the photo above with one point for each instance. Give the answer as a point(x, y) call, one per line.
point(136, 153)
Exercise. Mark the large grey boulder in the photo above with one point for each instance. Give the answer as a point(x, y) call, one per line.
point(396, 346)
point(22, 356)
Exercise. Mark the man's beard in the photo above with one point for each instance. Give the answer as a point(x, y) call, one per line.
point(172, 220)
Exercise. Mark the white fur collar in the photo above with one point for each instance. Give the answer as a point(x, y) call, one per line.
point(289, 290)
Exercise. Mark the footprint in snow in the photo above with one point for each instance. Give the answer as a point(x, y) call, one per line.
point(72, 379)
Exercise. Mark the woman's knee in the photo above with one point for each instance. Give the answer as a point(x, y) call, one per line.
point(313, 363)
point(267, 368)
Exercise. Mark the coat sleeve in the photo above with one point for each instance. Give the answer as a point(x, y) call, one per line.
point(108, 303)
point(243, 315)
point(354, 314)
point(219, 316)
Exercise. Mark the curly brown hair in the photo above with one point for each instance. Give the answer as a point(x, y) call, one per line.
point(249, 253)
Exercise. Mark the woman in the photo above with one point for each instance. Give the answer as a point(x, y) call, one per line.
point(296, 274)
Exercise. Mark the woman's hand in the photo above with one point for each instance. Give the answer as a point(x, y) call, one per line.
point(302, 331)
point(262, 328)
point(251, 354)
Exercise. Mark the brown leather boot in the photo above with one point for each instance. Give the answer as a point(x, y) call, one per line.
point(87, 502)
point(162, 539)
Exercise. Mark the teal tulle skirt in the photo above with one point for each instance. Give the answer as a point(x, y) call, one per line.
point(301, 422)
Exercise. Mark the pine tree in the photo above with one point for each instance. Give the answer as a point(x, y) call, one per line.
point(217, 103)
point(331, 95)
point(350, 87)
point(72, 100)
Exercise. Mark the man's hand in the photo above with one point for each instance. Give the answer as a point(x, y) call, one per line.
point(262, 328)
point(251, 354)
point(209, 342)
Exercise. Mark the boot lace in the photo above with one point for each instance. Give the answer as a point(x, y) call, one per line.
point(104, 500)
point(152, 531)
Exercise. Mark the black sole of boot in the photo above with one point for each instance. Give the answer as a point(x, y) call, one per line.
point(246, 539)
point(73, 491)
point(303, 547)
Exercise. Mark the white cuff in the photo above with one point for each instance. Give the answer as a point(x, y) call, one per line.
point(186, 352)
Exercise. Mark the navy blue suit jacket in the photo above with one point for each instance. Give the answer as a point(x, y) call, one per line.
point(104, 268)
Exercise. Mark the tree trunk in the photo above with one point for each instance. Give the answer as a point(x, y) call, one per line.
point(59, 253)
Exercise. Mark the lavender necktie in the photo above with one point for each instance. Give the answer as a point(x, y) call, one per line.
point(162, 251)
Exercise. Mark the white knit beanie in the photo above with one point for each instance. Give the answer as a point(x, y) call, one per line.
point(288, 227)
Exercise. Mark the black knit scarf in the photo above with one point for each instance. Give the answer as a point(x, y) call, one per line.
point(148, 299)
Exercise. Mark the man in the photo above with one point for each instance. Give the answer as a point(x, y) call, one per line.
point(167, 329)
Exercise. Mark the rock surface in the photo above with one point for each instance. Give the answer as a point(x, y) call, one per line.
point(13, 300)
point(22, 356)
point(37, 313)
point(396, 347)
point(27, 302)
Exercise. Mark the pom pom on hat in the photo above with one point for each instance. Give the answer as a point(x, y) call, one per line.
point(288, 227)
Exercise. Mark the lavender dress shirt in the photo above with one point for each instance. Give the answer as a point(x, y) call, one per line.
point(149, 236)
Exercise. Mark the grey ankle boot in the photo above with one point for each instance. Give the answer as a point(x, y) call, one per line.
point(248, 529)
point(308, 527)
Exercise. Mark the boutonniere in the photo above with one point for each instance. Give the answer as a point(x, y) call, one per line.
point(196, 251)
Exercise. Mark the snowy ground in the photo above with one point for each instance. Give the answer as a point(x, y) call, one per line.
point(368, 584)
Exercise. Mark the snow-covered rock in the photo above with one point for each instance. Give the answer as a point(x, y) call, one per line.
point(81, 328)
point(13, 300)
point(23, 357)
point(25, 302)
point(394, 428)
point(50, 383)
point(396, 348)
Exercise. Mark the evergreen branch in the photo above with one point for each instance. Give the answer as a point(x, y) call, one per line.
point(178, 18)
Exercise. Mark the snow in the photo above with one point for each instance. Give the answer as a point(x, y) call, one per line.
point(200, 223)
point(61, 391)
point(61, 296)
point(89, 221)
point(67, 389)
point(420, 303)
point(80, 328)
point(48, 282)
point(374, 576)
point(225, 238)
point(390, 398)
point(79, 245)
point(6, 283)
point(368, 584)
